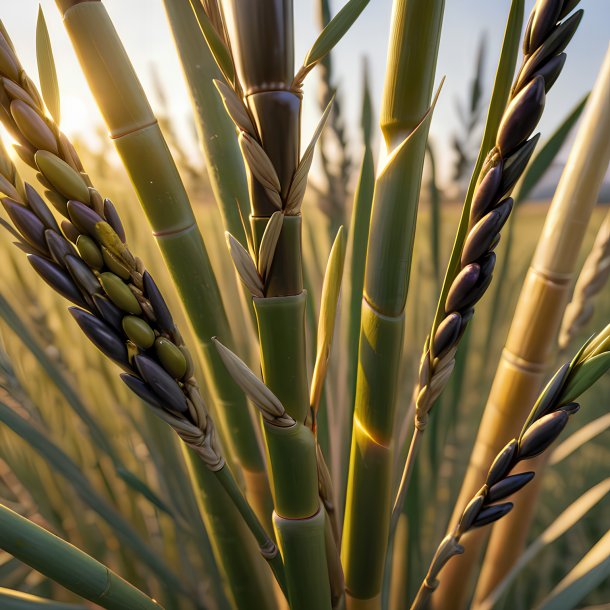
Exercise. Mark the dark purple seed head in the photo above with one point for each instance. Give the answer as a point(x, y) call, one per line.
point(485, 195)
point(539, 436)
point(492, 513)
point(568, 7)
point(479, 290)
point(27, 223)
point(527, 47)
point(515, 165)
point(508, 486)
point(446, 334)
point(470, 514)
point(487, 264)
point(57, 278)
point(70, 231)
point(40, 208)
point(143, 391)
point(83, 217)
point(162, 313)
point(109, 312)
point(467, 315)
point(83, 276)
point(571, 408)
point(521, 117)
point(59, 246)
point(102, 336)
point(503, 463)
point(546, 15)
point(162, 384)
point(551, 70)
point(461, 287)
point(114, 220)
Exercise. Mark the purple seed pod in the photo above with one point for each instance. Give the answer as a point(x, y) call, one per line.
point(162, 384)
point(25, 153)
point(485, 194)
point(480, 289)
point(27, 223)
point(546, 15)
point(492, 513)
point(527, 47)
point(481, 237)
point(83, 276)
point(521, 116)
point(25, 247)
point(568, 7)
point(516, 164)
point(143, 391)
point(551, 70)
point(503, 463)
point(571, 408)
point(102, 336)
point(470, 514)
point(109, 311)
point(83, 217)
point(446, 334)
point(114, 220)
point(541, 434)
point(466, 317)
point(162, 313)
point(58, 279)
point(549, 397)
point(70, 231)
point(461, 286)
point(40, 208)
point(508, 486)
point(59, 246)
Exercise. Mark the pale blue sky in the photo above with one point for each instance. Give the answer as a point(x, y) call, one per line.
point(142, 26)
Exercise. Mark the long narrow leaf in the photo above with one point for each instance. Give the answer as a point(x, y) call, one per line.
point(49, 86)
point(16, 600)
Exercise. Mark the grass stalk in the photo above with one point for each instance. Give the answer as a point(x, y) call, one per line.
point(405, 120)
point(532, 338)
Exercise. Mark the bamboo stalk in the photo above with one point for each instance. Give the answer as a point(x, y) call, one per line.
point(67, 565)
point(531, 342)
point(138, 139)
point(405, 120)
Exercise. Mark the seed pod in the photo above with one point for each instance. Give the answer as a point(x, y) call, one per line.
point(138, 331)
point(70, 231)
point(115, 265)
point(466, 317)
point(503, 463)
point(541, 434)
point(462, 285)
point(39, 207)
point(59, 202)
point(9, 64)
point(551, 70)
point(492, 513)
point(101, 335)
point(27, 223)
point(83, 276)
point(471, 512)
point(527, 48)
point(485, 194)
point(521, 116)
point(89, 252)
point(96, 203)
point(171, 357)
point(58, 246)
point(508, 486)
point(119, 293)
point(62, 177)
point(26, 154)
point(162, 384)
point(516, 164)
point(109, 312)
point(43, 181)
point(139, 388)
point(162, 313)
point(568, 7)
point(83, 217)
point(8, 190)
point(113, 218)
point(446, 334)
point(33, 127)
point(25, 247)
point(482, 235)
point(546, 16)
point(570, 408)
point(15, 92)
point(58, 279)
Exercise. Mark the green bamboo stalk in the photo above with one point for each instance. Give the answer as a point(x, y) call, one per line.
point(67, 565)
point(405, 120)
point(138, 139)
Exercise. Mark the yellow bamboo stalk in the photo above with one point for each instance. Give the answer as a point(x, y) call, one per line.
point(531, 343)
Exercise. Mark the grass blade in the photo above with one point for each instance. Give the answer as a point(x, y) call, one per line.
point(49, 86)
point(16, 600)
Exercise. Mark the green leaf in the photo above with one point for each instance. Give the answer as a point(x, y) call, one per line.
point(219, 49)
point(592, 570)
point(584, 376)
point(546, 155)
point(579, 438)
point(499, 99)
point(333, 32)
point(566, 520)
point(16, 600)
point(47, 73)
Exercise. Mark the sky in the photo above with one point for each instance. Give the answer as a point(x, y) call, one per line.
point(146, 36)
